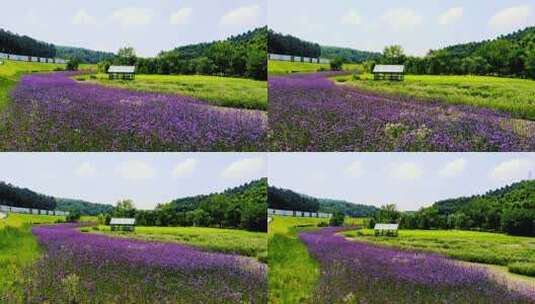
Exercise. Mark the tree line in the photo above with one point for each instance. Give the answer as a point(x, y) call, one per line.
point(83, 55)
point(14, 196)
point(239, 56)
point(510, 209)
point(512, 56)
point(243, 207)
point(290, 45)
point(82, 207)
point(12, 43)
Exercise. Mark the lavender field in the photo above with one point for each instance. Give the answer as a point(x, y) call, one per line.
point(52, 112)
point(81, 267)
point(309, 112)
point(357, 272)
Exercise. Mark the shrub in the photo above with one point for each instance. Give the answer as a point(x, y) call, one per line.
point(337, 219)
point(522, 268)
point(73, 217)
point(337, 64)
point(84, 230)
point(519, 221)
point(73, 64)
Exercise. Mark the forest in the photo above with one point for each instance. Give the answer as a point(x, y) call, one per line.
point(83, 55)
point(14, 196)
point(285, 199)
point(348, 55)
point(510, 55)
point(243, 55)
point(510, 209)
point(12, 43)
point(242, 207)
point(82, 207)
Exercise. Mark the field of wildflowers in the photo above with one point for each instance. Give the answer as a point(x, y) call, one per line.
point(359, 272)
point(52, 112)
point(87, 268)
point(309, 112)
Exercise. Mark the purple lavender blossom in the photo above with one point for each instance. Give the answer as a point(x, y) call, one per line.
point(311, 113)
point(115, 270)
point(52, 112)
point(360, 272)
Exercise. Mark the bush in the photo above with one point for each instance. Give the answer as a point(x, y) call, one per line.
point(73, 64)
point(73, 217)
point(84, 230)
point(337, 64)
point(519, 221)
point(323, 224)
point(337, 219)
point(523, 268)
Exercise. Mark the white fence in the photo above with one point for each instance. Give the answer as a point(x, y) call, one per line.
point(31, 58)
point(298, 213)
point(280, 57)
point(8, 209)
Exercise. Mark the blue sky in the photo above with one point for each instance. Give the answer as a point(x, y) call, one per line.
point(146, 178)
point(148, 26)
point(410, 180)
point(417, 25)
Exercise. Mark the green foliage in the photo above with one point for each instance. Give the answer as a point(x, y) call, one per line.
point(12, 43)
point(393, 55)
point(349, 55)
point(82, 207)
point(242, 207)
point(24, 198)
point(388, 214)
point(126, 56)
point(73, 64)
point(232, 241)
point(504, 94)
point(221, 91)
point(519, 221)
point(337, 219)
point(337, 64)
point(471, 246)
point(510, 209)
point(290, 45)
point(286, 67)
point(85, 55)
point(527, 269)
point(73, 217)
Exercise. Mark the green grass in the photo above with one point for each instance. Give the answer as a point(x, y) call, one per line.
point(18, 249)
point(293, 273)
point(221, 91)
point(518, 253)
point(515, 96)
point(253, 244)
point(285, 67)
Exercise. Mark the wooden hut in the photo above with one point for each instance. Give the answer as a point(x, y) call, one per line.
point(123, 72)
point(386, 229)
point(123, 224)
point(389, 72)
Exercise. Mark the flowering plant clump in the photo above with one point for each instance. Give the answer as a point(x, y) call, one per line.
point(367, 273)
point(311, 113)
point(92, 268)
point(52, 112)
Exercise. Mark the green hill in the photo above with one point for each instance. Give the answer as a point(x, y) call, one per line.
point(83, 207)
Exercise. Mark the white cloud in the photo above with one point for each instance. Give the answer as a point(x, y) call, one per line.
point(406, 171)
point(132, 17)
point(355, 169)
point(245, 15)
point(135, 170)
point(453, 168)
point(351, 18)
point(83, 18)
point(451, 16)
point(86, 170)
point(512, 170)
point(512, 17)
point(400, 19)
point(185, 168)
point(182, 16)
point(247, 167)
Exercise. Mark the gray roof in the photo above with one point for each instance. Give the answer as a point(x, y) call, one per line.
point(385, 68)
point(386, 226)
point(121, 69)
point(123, 221)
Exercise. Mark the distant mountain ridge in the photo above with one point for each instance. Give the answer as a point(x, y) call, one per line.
point(285, 199)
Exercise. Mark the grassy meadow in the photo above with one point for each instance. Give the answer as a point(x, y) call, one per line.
point(246, 243)
point(517, 253)
point(221, 91)
point(18, 249)
point(286, 67)
point(515, 96)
